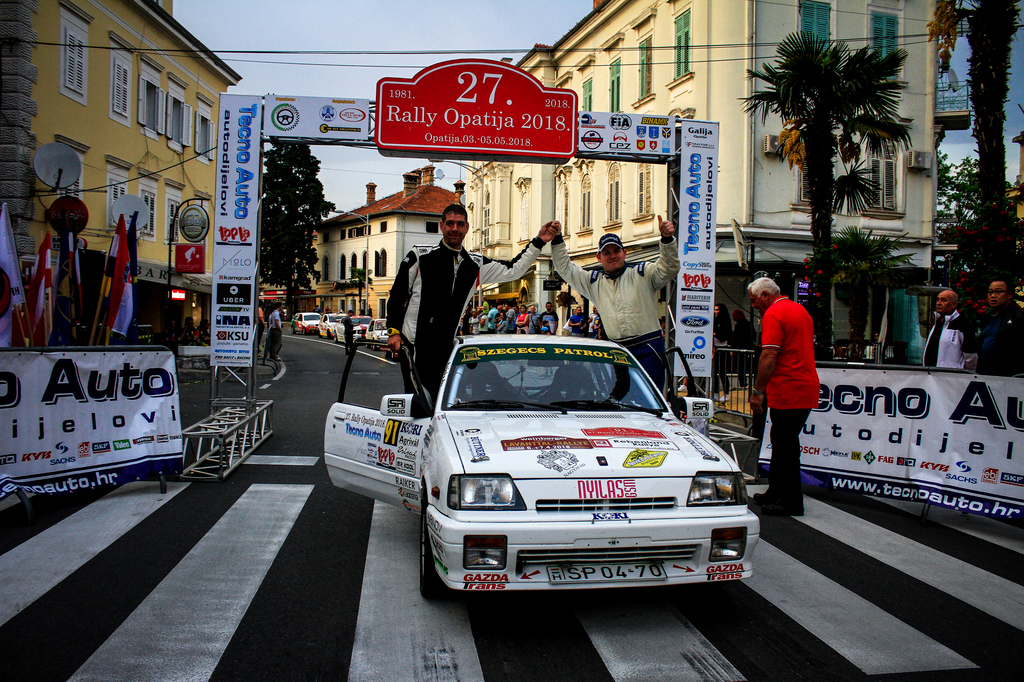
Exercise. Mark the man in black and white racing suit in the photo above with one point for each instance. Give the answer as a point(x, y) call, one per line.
point(432, 288)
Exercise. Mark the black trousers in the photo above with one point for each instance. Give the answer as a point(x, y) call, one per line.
point(784, 471)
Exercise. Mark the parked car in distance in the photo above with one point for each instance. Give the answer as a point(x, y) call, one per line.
point(327, 323)
point(378, 331)
point(548, 464)
point(360, 324)
point(306, 323)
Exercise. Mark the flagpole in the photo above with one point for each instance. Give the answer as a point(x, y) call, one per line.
point(19, 311)
point(104, 291)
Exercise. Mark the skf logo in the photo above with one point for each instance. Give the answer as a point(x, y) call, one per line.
point(906, 461)
point(934, 466)
point(990, 475)
point(83, 449)
point(101, 447)
point(1011, 479)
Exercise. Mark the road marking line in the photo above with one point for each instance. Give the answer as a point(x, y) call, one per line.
point(872, 639)
point(342, 346)
point(421, 639)
point(981, 527)
point(653, 642)
point(180, 631)
point(265, 386)
point(36, 566)
point(996, 596)
point(287, 460)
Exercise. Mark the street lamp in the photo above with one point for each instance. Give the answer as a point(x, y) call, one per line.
point(366, 263)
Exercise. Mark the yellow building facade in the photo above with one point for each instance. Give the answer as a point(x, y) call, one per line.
point(135, 95)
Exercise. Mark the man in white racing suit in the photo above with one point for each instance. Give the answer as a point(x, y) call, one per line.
point(951, 343)
point(627, 295)
point(432, 288)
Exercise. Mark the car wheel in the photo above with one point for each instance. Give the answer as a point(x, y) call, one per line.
point(431, 585)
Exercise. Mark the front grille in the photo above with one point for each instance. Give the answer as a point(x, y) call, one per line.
point(533, 415)
point(632, 503)
point(581, 555)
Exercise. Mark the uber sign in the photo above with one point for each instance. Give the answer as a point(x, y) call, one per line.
point(234, 294)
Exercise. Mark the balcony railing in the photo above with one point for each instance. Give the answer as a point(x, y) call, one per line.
point(947, 99)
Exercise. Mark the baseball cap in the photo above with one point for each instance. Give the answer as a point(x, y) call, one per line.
point(608, 240)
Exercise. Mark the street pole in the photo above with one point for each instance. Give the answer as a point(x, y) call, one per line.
point(171, 241)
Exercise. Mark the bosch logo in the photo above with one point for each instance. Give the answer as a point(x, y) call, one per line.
point(694, 321)
point(963, 466)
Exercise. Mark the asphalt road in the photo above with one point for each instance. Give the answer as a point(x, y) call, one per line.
point(275, 574)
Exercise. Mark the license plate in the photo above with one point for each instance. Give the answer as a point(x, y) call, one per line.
point(591, 573)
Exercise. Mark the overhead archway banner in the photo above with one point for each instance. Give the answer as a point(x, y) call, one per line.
point(476, 109)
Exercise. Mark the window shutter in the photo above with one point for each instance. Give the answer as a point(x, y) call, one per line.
point(199, 145)
point(889, 184)
point(645, 66)
point(161, 114)
point(613, 91)
point(804, 195)
point(876, 177)
point(122, 87)
point(74, 61)
point(683, 44)
point(142, 100)
point(210, 141)
point(588, 95)
point(884, 32)
point(814, 18)
point(186, 125)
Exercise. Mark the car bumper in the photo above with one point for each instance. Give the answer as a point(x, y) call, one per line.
point(570, 554)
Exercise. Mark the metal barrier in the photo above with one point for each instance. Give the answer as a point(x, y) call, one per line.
point(217, 445)
point(733, 372)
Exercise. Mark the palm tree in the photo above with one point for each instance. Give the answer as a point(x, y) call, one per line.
point(862, 261)
point(832, 100)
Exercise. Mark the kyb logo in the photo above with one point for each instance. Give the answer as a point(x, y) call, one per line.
point(229, 294)
point(934, 466)
point(233, 235)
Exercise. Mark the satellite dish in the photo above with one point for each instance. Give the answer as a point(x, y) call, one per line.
point(57, 165)
point(439, 174)
point(126, 206)
point(954, 82)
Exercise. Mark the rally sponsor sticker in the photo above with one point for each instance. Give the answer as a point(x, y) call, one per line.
point(644, 458)
point(619, 432)
point(546, 443)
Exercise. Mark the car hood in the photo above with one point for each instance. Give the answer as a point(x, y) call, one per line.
point(526, 445)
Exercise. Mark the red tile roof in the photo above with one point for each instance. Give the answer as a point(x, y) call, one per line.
point(426, 199)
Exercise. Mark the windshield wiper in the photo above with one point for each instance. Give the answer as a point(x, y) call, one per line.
point(610, 405)
point(475, 404)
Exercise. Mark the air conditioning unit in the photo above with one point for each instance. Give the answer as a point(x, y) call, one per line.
point(919, 160)
point(771, 144)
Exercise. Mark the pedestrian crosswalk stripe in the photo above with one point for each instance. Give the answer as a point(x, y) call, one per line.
point(285, 460)
point(181, 629)
point(981, 527)
point(996, 596)
point(653, 643)
point(38, 564)
point(862, 633)
point(415, 639)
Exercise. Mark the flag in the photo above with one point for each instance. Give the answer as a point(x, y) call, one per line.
point(131, 332)
point(65, 301)
point(120, 301)
point(11, 290)
point(37, 287)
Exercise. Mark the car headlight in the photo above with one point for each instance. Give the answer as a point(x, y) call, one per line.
point(717, 488)
point(493, 492)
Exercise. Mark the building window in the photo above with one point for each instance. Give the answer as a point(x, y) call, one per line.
point(585, 198)
point(883, 32)
point(179, 119)
point(683, 44)
point(382, 307)
point(173, 202)
point(487, 209)
point(433, 226)
point(562, 206)
point(615, 86)
point(325, 236)
point(364, 260)
point(147, 190)
point(614, 215)
point(205, 144)
point(117, 187)
point(814, 18)
point(588, 94)
point(152, 103)
point(524, 215)
point(646, 67)
point(74, 57)
point(325, 273)
point(354, 265)
point(383, 226)
point(803, 185)
point(643, 186)
point(380, 263)
point(341, 267)
point(120, 87)
point(883, 172)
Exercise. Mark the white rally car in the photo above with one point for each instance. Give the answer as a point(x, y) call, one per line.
point(548, 463)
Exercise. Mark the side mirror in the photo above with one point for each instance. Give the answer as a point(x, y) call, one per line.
point(404, 405)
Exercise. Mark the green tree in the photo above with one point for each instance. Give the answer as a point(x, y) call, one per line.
point(293, 207)
point(833, 101)
point(861, 262)
point(991, 24)
point(957, 189)
point(357, 279)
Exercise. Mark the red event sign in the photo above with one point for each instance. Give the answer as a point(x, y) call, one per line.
point(475, 109)
point(190, 258)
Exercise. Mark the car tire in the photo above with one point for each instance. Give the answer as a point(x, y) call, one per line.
point(431, 585)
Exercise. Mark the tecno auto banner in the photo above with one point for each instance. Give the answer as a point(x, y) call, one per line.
point(698, 200)
point(81, 419)
point(236, 231)
point(954, 440)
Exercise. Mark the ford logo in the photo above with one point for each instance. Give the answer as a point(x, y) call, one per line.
point(695, 321)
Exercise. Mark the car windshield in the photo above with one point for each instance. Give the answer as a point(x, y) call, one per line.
point(573, 377)
point(334, 318)
point(310, 317)
point(361, 320)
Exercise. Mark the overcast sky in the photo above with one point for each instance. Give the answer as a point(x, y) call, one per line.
point(510, 26)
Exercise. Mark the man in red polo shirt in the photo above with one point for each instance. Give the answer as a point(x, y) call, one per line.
point(786, 370)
